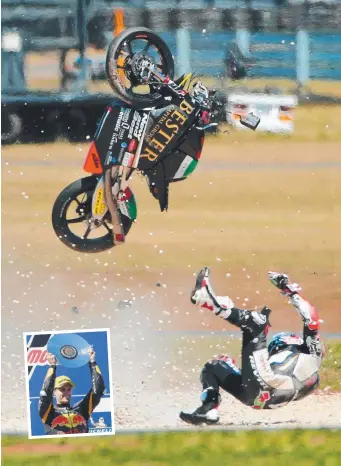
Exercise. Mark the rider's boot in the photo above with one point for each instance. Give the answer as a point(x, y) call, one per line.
point(204, 296)
point(251, 322)
point(207, 413)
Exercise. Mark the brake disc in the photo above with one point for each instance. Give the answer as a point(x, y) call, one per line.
point(140, 66)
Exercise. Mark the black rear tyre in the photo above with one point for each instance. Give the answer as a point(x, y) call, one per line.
point(123, 51)
point(83, 188)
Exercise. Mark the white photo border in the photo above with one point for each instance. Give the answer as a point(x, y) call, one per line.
point(28, 408)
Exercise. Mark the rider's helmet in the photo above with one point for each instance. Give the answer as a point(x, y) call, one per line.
point(284, 341)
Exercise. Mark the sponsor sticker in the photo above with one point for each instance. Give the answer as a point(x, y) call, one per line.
point(132, 145)
point(108, 158)
point(120, 155)
point(183, 167)
point(158, 141)
point(119, 120)
point(261, 400)
point(100, 205)
point(37, 356)
point(140, 128)
point(113, 140)
point(135, 122)
point(128, 159)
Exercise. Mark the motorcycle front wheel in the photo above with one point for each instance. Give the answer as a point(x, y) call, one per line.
point(126, 54)
point(70, 218)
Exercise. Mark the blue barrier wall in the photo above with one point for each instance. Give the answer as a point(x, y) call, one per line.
point(273, 53)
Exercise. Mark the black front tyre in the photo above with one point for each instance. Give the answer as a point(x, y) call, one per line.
point(72, 208)
point(125, 53)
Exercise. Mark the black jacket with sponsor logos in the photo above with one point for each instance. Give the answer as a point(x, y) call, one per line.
point(266, 381)
point(67, 419)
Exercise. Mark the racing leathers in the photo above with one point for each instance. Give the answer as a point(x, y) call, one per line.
point(264, 381)
point(64, 418)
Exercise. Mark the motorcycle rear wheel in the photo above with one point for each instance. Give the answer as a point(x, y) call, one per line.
point(77, 198)
point(125, 53)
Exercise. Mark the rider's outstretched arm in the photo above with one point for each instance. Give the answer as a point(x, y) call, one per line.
point(307, 312)
point(93, 397)
point(311, 324)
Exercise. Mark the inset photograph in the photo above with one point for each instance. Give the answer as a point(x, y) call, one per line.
point(68, 383)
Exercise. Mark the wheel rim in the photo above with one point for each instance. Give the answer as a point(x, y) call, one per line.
point(127, 58)
point(77, 216)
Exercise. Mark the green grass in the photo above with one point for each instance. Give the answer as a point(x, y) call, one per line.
point(331, 368)
point(257, 448)
point(309, 447)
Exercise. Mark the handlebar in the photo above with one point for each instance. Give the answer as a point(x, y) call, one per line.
point(204, 98)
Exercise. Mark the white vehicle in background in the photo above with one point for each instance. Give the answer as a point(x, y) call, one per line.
point(276, 112)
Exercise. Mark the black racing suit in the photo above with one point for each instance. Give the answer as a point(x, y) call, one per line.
point(63, 418)
point(264, 382)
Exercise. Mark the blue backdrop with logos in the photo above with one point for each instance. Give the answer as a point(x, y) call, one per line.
point(102, 419)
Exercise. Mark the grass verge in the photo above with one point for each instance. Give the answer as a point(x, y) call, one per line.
point(331, 367)
point(259, 448)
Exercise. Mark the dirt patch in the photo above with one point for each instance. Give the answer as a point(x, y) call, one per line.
point(242, 221)
point(268, 209)
point(316, 411)
point(42, 448)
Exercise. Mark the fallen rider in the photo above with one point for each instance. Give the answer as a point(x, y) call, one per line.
point(272, 375)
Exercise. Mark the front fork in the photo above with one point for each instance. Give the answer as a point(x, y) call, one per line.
point(163, 80)
point(107, 195)
point(106, 198)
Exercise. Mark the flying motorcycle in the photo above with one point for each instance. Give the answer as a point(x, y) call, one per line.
point(156, 127)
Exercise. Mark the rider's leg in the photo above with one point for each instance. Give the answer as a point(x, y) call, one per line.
point(220, 372)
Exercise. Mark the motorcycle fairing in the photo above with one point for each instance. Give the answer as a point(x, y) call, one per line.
point(158, 184)
point(193, 143)
point(127, 204)
point(133, 138)
point(176, 166)
point(119, 134)
point(123, 137)
point(92, 162)
point(168, 129)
